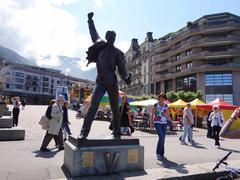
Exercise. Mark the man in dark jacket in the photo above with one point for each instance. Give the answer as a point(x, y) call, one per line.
point(109, 58)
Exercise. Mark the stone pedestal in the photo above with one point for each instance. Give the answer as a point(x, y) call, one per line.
point(7, 113)
point(10, 134)
point(103, 156)
point(6, 122)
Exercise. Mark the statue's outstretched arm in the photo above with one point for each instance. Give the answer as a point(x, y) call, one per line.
point(92, 29)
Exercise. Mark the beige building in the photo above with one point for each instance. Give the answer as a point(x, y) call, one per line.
point(204, 56)
point(138, 59)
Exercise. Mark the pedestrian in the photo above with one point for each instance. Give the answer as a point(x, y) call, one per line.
point(226, 132)
point(48, 115)
point(23, 104)
point(55, 125)
point(125, 111)
point(187, 124)
point(160, 116)
point(16, 110)
point(217, 121)
point(66, 123)
point(209, 131)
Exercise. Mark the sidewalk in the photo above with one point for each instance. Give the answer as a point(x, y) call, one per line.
point(22, 160)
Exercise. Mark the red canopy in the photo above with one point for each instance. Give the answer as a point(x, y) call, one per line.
point(222, 105)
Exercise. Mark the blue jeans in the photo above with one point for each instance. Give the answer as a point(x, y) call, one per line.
point(161, 131)
point(187, 131)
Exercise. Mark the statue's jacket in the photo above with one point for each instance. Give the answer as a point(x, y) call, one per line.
point(107, 58)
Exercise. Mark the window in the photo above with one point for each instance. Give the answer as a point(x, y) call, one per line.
point(7, 86)
point(218, 79)
point(158, 87)
point(34, 89)
point(188, 52)
point(58, 82)
point(177, 45)
point(217, 48)
point(27, 88)
point(19, 74)
point(189, 65)
point(188, 83)
point(152, 88)
point(226, 97)
point(178, 68)
point(18, 86)
point(18, 80)
point(168, 85)
point(178, 57)
point(45, 79)
point(144, 69)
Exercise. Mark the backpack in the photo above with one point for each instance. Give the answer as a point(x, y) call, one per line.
point(48, 112)
point(94, 50)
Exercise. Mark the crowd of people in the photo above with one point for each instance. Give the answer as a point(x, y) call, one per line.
point(59, 130)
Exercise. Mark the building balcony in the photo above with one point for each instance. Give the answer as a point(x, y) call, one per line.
point(160, 67)
point(196, 69)
point(200, 29)
point(160, 57)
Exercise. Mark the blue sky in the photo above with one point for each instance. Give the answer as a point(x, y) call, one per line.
point(44, 29)
point(133, 18)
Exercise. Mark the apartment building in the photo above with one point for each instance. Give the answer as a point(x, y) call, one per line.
point(204, 56)
point(138, 59)
point(37, 85)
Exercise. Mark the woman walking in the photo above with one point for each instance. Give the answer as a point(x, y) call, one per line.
point(160, 116)
point(16, 110)
point(217, 121)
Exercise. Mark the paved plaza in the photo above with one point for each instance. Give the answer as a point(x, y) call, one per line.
point(23, 160)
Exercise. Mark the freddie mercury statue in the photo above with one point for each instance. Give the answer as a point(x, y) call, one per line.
point(107, 58)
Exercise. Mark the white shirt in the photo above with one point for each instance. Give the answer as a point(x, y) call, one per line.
point(216, 118)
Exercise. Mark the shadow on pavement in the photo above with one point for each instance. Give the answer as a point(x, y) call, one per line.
point(173, 165)
point(49, 154)
point(198, 146)
point(228, 150)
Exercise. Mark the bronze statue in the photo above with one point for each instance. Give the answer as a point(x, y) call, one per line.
point(107, 58)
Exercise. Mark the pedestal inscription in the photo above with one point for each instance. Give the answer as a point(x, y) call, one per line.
point(132, 156)
point(87, 159)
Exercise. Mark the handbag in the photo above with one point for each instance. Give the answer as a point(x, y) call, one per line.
point(44, 122)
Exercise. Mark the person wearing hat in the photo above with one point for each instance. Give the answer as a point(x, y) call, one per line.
point(226, 132)
point(217, 121)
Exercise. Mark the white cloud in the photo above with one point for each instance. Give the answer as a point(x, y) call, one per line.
point(49, 61)
point(123, 45)
point(98, 3)
point(38, 29)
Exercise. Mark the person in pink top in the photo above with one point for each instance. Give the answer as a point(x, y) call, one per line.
point(160, 117)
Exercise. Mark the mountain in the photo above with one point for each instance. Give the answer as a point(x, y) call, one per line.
point(66, 63)
point(13, 57)
point(72, 64)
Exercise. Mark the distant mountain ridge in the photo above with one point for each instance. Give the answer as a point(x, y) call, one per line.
point(65, 63)
point(13, 57)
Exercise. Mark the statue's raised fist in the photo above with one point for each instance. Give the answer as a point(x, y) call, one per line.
point(90, 15)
